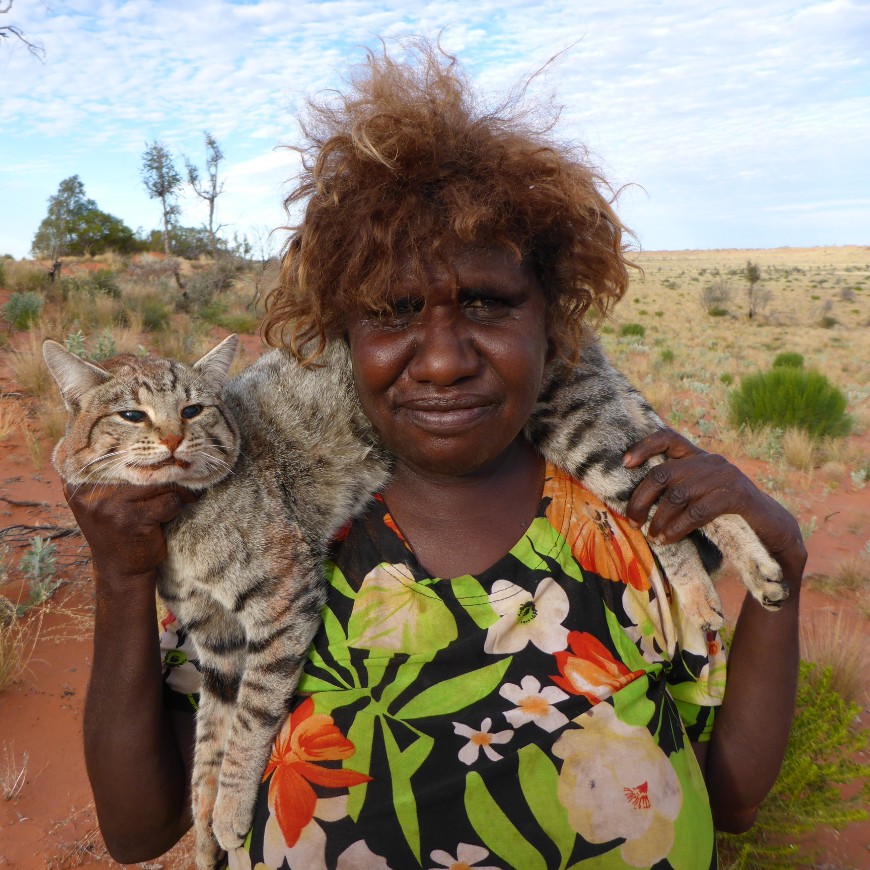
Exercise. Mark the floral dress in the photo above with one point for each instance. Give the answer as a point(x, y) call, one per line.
point(537, 715)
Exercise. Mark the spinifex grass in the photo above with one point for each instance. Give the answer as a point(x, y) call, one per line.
point(791, 398)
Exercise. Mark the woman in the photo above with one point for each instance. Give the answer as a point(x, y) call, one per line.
point(536, 705)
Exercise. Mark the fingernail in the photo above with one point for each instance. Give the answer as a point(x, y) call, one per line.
point(626, 460)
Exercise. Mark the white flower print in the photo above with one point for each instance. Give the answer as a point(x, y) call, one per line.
point(480, 739)
point(309, 850)
point(534, 704)
point(467, 856)
point(616, 782)
point(527, 618)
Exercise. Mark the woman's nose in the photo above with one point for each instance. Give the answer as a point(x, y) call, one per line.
point(444, 351)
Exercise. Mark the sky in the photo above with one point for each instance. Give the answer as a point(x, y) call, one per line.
point(734, 124)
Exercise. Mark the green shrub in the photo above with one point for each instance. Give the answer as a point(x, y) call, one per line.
point(2, 274)
point(789, 359)
point(666, 355)
point(22, 309)
point(822, 752)
point(828, 322)
point(726, 378)
point(155, 315)
point(241, 323)
point(104, 282)
point(633, 329)
point(717, 312)
point(789, 398)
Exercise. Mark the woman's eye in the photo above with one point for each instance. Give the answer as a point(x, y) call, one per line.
point(191, 411)
point(132, 416)
point(486, 306)
point(400, 312)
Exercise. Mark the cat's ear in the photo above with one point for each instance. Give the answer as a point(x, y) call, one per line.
point(74, 376)
point(215, 365)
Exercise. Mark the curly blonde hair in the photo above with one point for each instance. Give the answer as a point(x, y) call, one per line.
point(405, 162)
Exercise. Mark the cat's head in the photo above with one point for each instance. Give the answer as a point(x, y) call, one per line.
point(145, 420)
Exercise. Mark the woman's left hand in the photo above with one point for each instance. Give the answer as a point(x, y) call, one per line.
point(694, 487)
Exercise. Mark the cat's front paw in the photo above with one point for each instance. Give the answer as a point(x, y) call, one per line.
point(702, 607)
point(763, 578)
point(232, 818)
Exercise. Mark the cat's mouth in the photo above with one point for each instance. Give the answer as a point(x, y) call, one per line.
point(170, 462)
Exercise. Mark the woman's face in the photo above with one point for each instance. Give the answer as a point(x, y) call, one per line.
point(450, 376)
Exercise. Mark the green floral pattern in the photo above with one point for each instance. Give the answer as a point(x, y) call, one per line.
point(538, 715)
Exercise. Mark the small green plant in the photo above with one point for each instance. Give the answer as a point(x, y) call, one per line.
point(2, 274)
point(633, 329)
point(788, 398)
point(823, 748)
point(75, 343)
point(104, 282)
point(104, 347)
point(828, 322)
point(726, 378)
point(789, 359)
point(38, 565)
point(666, 356)
point(717, 312)
point(22, 309)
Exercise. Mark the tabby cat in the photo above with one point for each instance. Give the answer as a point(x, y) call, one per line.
point(286, 453)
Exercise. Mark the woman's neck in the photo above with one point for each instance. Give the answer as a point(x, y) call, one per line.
point(464, 524)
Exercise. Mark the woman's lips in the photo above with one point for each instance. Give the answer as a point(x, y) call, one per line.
point(446, 416)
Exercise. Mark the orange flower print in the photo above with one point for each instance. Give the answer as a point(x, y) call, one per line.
point(589, 669)
point(390, 523)
point(305, 739)
point(601, 541)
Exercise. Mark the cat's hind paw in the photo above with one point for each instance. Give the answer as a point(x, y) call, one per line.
point(701, 606)
point(232, 818)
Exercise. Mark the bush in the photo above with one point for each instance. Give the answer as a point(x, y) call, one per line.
point(633, 329)
point(717, 294)
point(828, 322)
point(22, 309)
point(2, 274)
point(666, 355)
point(789, 360)
point(726, 378)
point(717, 312)
point(29, 279)
point(787, 398)
point(244, 324)
point(822, 747)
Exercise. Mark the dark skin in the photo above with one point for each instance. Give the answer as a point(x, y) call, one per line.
point(455, 454)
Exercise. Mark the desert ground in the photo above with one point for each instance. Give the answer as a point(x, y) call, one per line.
point(815, 302)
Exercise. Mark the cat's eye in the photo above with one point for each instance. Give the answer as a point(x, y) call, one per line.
point(191, 411)
point(132, 416)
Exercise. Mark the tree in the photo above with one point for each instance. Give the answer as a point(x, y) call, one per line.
point(211, 190)
point(8, 30)
point(161, 180)
point(758, 297)
point(75, 226)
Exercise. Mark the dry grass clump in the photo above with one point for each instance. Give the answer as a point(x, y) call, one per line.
point(9, 418)
point(852, 573)
point(829, 640)
point(13, 772)
point(29, 367)
point(13, 657)
point(798, 449)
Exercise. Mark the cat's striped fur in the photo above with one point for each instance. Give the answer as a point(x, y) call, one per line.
point(244, 567)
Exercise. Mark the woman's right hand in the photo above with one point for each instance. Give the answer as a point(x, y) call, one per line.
point(123, 524)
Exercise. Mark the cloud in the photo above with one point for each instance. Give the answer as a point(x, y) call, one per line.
point(748, 100)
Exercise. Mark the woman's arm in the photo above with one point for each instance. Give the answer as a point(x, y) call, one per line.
point(138, 755)
point(749, 738)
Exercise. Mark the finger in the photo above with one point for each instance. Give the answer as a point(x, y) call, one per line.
point(674, 523)
point(673, 485)
point(661, 442)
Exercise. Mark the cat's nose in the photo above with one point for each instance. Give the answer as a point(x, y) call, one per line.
point(172, 442)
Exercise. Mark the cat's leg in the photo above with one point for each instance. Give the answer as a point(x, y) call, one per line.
point(280, 625)
point(221, 660)
point(761, 575)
